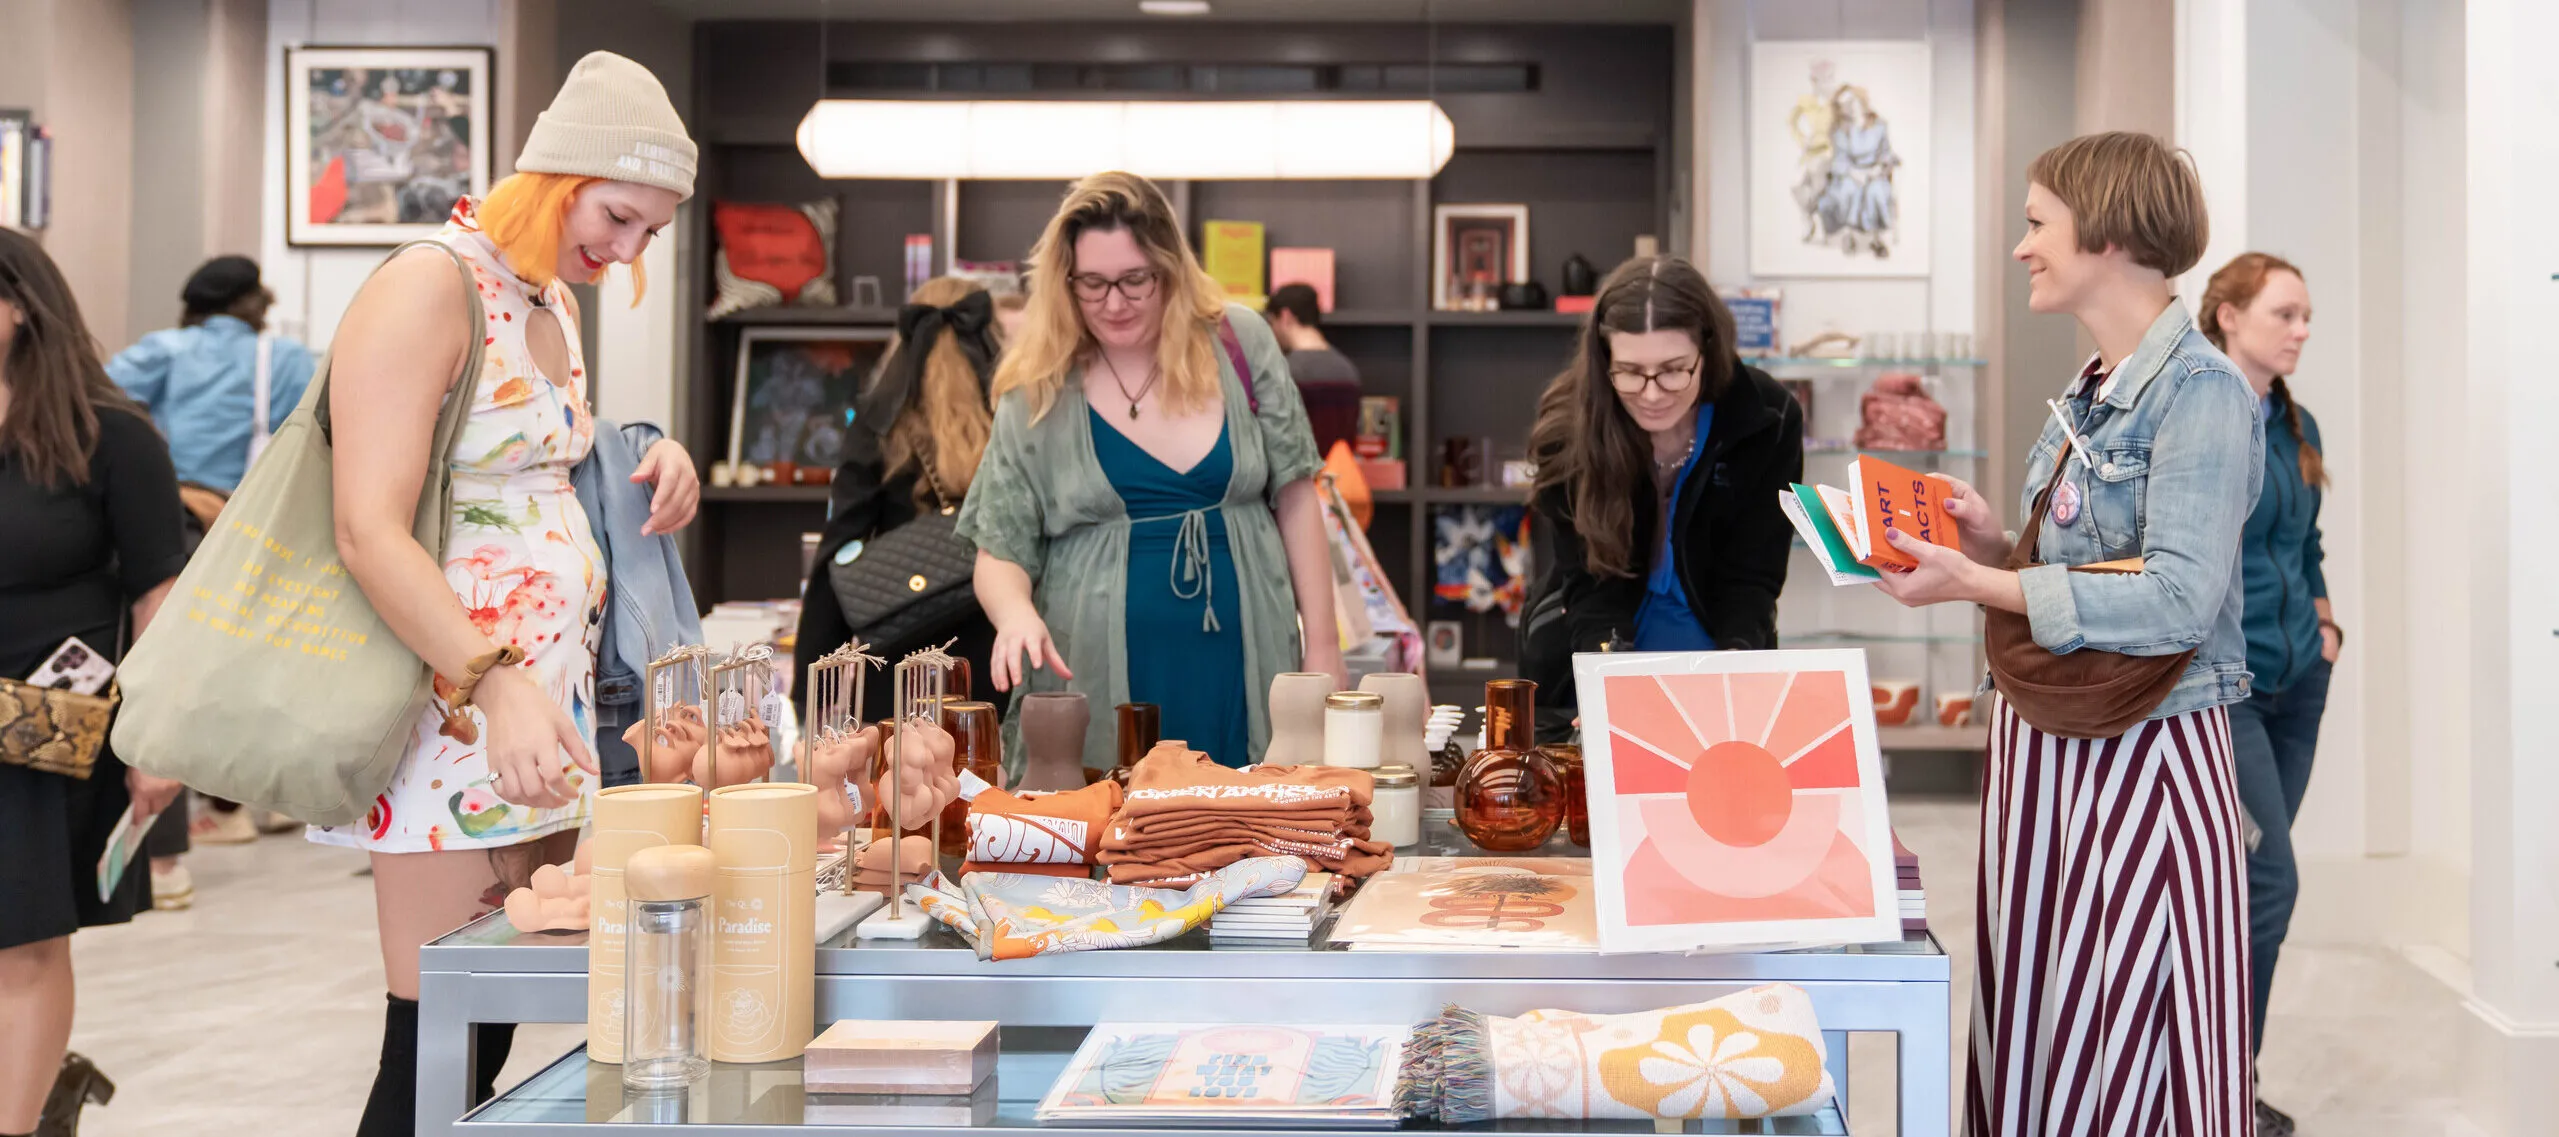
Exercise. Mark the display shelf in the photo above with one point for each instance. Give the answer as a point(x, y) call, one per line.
point(1930, 736)
point(842, 316)
point(1514, 318)
point(1773, 362)
point(813, 494)
point(1839, 639)
point(1372, 318)
point(1453, 495)
point(488, 972)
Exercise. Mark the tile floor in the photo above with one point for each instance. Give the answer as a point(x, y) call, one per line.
point(260, 1010)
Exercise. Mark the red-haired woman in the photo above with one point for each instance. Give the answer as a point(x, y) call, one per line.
point(2257, 311)
point(500, 774)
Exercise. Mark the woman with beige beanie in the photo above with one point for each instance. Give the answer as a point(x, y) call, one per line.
point(499, 774)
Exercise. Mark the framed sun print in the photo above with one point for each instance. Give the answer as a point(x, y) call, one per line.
point(1475, 250)
point(1736, 800)
point(380, 141)
point(793, 398)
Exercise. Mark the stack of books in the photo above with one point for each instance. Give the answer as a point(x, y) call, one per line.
point(1914, 899)
point(1276, 919)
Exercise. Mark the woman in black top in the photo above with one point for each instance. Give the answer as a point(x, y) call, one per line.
point(90, 501)
point(1656, 417)
point(926, 409)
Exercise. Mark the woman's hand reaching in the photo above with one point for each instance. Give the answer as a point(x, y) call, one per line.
point(1022, 640)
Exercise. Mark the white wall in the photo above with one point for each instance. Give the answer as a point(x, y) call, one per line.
point(313, 286)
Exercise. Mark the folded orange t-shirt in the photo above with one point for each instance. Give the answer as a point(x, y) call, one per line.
point(1052, 829)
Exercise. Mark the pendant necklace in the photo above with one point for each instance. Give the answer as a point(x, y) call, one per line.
point(1152, 371)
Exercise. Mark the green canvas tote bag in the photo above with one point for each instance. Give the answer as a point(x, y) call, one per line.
point(267, 678)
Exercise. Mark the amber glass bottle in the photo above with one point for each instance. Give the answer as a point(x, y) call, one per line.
point(1568, 762)
point(1141, 727)
point(977, 748)
point(1510, 796)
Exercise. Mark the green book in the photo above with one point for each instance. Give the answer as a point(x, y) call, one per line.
point(1803, 506)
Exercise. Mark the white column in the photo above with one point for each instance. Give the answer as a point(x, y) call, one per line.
point(2513, 161)
point(2212, 122)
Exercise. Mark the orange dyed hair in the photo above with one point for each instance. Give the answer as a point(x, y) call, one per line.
point(523, 216)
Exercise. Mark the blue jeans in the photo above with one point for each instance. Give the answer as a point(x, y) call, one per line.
point(2272, 735)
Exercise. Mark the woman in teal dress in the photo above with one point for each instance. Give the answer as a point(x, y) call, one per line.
point(1145, 515)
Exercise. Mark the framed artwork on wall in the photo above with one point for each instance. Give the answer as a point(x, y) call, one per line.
point(793, 398)
point(380, 141)
point(1839, 158)
point(1736, 800)
point(1475, 250)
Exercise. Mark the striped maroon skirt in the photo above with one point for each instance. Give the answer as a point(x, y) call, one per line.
point(2112, 990)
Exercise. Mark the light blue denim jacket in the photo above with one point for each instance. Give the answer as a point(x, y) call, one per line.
point(648, 606)
point(2176, 458)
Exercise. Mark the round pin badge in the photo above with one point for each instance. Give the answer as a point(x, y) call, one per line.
point(2066, 503)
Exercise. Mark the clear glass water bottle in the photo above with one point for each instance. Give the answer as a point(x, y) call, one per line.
point(666, 981)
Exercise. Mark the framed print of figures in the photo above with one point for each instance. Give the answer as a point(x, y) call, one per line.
point(380, 142)
point(1475, 250)
point(1839, 158)
point(794, 392)
point(1736, 800)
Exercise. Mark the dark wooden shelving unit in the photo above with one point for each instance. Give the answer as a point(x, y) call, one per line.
point(1583, 143)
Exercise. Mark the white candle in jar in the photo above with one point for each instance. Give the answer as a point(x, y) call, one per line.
point(1397, 807)
point(1354, 729)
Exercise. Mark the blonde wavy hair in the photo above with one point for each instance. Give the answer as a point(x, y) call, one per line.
point(1054, 339)
point(948, 419)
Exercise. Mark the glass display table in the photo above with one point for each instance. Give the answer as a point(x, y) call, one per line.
point(488, 973)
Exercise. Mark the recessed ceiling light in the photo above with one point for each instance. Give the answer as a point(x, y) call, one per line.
point(1173, 7)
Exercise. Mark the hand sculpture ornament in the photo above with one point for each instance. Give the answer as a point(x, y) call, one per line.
point(743, 753)
point(834, 765)
point(680, 738)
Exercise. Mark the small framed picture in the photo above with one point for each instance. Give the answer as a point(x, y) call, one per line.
point(793, 399)
point(1446, 644)
point(1475, 250)
point(380, 142)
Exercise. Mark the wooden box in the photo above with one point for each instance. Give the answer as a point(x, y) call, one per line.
point(863, 1056)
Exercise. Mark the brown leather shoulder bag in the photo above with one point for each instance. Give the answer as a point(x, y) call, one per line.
point(2087, 693)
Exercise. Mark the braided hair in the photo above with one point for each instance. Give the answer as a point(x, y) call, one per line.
point(2237, 284)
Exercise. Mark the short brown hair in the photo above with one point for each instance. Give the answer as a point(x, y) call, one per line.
point(2131, 191)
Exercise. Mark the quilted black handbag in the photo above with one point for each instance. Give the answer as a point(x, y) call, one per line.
point(909, 588)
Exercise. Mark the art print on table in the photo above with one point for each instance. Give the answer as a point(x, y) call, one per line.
point(1736, 800)
point(1182, 1070)
point(793, 398)
point(1839, 149)
point(380, 142)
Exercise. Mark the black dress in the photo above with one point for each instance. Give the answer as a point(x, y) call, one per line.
point(76, 557)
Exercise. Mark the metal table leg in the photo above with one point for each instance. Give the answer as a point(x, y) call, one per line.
point(445, 1050)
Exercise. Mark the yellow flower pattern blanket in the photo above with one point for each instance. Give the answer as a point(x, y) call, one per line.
point(1755, 1053)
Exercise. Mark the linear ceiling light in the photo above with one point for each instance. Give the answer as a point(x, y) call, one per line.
point(878, 138)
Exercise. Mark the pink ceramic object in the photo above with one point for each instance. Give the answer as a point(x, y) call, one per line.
point(922, 781)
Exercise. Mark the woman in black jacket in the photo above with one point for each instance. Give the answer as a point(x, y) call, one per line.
point(1656, 416)
point(912, 449)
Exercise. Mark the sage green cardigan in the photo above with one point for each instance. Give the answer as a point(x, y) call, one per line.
point(1040, 501)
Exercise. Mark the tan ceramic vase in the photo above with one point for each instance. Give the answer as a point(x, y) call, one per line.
point(764, 922)
point(627, 820)
point(1297, 719)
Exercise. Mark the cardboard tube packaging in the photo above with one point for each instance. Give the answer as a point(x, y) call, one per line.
point(627, 820)
point(764, 919)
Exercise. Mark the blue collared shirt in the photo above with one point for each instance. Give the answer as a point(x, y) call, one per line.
point(197, 383)
point(1665, 622)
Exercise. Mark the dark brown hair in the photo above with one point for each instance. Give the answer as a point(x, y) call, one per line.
point(1585, 441)
point(2131, 191)
point(2237, 284)
point(56, 383)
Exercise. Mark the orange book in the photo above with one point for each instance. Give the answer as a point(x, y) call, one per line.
point(1885, 497)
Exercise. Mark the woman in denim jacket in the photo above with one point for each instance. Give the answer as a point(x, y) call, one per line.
point(2113, 987)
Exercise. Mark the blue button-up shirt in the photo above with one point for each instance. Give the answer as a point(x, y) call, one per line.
point(197, 383)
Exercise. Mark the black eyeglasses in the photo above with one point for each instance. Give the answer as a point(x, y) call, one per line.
point(1672, 378)
point(1093, 287)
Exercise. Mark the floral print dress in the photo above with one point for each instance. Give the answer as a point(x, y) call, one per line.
point(523, 562)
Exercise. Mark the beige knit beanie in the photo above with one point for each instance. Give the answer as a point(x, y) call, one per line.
point(612, 119)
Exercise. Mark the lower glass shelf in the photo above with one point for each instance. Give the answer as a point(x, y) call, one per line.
point(575, 1095)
